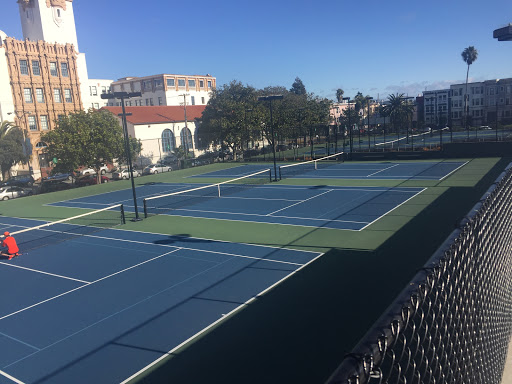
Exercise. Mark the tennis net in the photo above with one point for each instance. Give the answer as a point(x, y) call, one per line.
point(296, 169)
point(55, 232)
point(186, 198)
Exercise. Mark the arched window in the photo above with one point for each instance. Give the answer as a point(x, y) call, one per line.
point(186, 139)
point(41, 144)
point(168, 143)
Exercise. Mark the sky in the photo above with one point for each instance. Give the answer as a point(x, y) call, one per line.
point(373, 47)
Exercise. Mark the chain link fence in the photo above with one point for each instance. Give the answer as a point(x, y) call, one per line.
point(453, 323)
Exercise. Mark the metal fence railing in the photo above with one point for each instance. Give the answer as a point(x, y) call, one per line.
point(453, 323)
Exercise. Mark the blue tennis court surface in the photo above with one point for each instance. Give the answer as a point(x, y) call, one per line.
point(431, 170)
point(351, 208)
point(101, 307)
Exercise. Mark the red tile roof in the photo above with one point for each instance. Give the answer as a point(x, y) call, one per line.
point(159, 114)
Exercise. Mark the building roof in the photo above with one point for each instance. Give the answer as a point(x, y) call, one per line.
point(159, 114)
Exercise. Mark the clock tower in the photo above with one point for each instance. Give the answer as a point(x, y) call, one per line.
point(52, 21)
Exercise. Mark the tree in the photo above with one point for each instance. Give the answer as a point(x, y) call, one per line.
point(398, 109)
point(469, 55)
point(298, 87)
point(11, 147)
point(85, 139)
point(339, 94)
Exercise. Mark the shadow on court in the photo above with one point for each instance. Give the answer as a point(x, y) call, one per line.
point(182, 238)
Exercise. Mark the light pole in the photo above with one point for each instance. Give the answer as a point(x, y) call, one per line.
point(368, 98)
point(350, 139)
point(270, 98)
point(122, 96)
point(497, 80)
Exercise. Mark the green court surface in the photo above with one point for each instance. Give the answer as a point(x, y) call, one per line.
point(300, 330)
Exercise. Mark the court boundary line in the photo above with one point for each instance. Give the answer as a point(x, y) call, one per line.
point(5, 374)
point(222, 319)
point(19, 341)
point(44, 273)
point(382, 170)
point(456, 169)
point(391, 210)
point(299, 202)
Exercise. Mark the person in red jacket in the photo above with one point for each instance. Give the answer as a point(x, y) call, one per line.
point(11, 248)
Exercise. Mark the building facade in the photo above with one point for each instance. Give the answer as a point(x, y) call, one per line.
point(165, 89)
point(162, 129)
point(436, 108)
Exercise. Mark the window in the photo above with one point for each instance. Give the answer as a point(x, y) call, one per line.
point(209, 84)
point(192, 83)
point(23, 67)
point(170, 83)
point(160, 101)
point(93, 91)
point(146, 84)
point(67, 96)
point(44, 123)
point(96, 106)
point(64, 69)
point(39, 95)
point(53, 69)
point(41, 144)
point(168, 143)
point(186, 139)
point(201, 83)
point(103, 89)
point(181, 82)
point(36, 70)
point(202, 100)
point(32, 124)
point(192, 100)
point(158, 83)
point(147, 102)
point(56, 95)
point(151, 101)
point(27, 93)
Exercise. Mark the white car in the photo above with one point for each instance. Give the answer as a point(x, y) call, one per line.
point(13, 192)
point(125, 174)
point(156, 168)
point(91, 171)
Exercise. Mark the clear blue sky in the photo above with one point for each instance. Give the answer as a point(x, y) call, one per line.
point(375, 47)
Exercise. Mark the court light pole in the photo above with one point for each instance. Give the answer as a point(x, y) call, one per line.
point(122, 96)
point(368, 98)
point(269, 98)
point(350, 139)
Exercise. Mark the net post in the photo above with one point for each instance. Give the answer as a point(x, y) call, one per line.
point(123, 217)
point(145, 208)
point(218, 189)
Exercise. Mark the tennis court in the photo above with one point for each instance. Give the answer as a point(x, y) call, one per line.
point(100, 306)
point(329, 169)
point(349, 208)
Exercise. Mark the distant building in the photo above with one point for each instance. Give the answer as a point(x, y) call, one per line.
point(162, 129)
point(436, 107)
point(165, 89)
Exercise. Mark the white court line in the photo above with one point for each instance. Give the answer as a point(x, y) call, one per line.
point(454, 170)
point(11, 378)
point(382, 170)
point(19, 341)
point(86, 285)
point(391, 210)
point(300, 202)
point(44, 273)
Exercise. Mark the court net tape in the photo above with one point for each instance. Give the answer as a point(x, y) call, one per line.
point(66, 229)
point(186, 198)
point(296, 169)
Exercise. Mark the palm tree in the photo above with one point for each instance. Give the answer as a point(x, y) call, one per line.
point(339, 94)
point(398, 109)
point(469, 55)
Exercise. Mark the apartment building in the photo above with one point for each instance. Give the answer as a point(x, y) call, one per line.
point(436, 107)
point(165, 89)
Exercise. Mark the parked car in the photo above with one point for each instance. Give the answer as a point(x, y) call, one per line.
point(60, 177)
point(124, 174)
point(90, 180)
point(90, 171)
point(156, 168)
point(54, 185)
point(12, 192)
point(485, 127)
point(20, 180)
